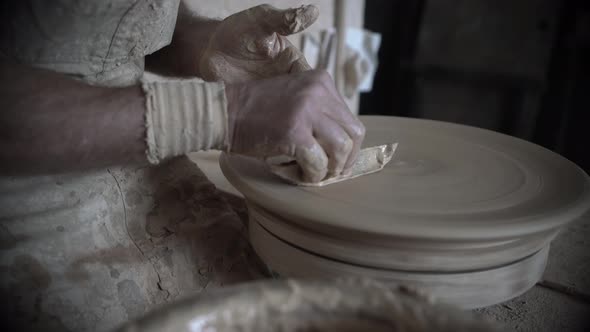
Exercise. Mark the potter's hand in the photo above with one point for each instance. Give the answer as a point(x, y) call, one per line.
point(251, 44)
point(299, 116)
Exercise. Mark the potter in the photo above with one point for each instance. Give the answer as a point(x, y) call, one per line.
point(102, 218)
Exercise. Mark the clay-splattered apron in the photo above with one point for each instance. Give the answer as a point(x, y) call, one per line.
point(90, 250)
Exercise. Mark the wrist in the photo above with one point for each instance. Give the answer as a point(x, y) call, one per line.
point(184, 116)
point(232, 97)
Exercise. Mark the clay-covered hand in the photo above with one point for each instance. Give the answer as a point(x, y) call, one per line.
point(298, 117)
point(251, 44)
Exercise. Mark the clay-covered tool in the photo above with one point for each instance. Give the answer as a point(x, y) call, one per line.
point(370, 160)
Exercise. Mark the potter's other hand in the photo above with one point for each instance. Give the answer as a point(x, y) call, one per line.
point(299, 116)
point(251, 44)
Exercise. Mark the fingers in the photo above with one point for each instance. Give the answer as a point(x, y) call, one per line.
point(341, 133)
point(356, 131)
point(313, 161)
point(292, 59)
point(336, 143)
point(353, 128)
point(299, 65)
point(286, 21)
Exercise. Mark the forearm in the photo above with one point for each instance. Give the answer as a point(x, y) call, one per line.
point(191, 37)
point(50, 123)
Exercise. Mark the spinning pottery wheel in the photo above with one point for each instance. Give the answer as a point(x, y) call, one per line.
point(465, 213)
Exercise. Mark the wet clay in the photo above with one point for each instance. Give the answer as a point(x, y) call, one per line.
point(465, 213)
point(445, 182)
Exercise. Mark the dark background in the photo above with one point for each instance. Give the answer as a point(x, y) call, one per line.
point(517, 67)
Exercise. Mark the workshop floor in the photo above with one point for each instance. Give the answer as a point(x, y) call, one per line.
point(560, 302)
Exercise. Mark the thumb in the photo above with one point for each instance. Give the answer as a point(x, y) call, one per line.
point(285, 21)
point(313, 162)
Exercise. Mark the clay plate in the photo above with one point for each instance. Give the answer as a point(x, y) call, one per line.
point(466, 289)
point(403, 254)
point(446, 181)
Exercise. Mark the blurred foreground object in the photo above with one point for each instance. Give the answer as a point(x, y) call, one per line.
point(289, 305)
